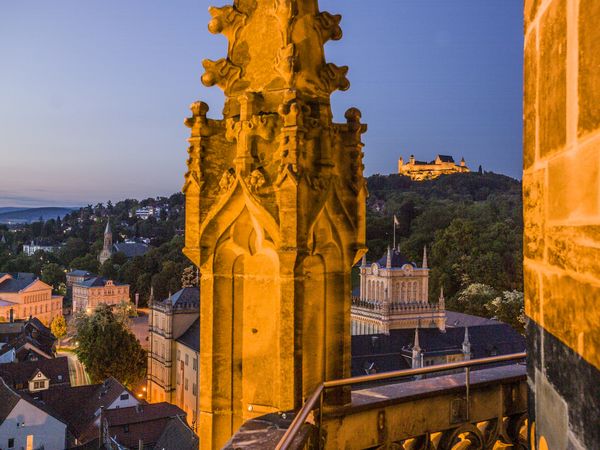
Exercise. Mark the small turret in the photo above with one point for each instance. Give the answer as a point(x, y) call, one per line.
point(388, 261)
point(466, 345)
point(462, 162)
point(425, 257)
point(412, 159)
point(442, 300)
point(417, 354)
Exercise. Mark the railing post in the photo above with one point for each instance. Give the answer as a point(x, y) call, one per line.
point(468, 385)
point(320, 435)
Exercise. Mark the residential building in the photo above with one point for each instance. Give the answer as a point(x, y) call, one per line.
point(177, 435)
point(26, 340)
point(91, 292)
point(148, 211)
point(31, 248)
point(27, 296)
point(137, 427)
point(80, 407)
point(421, 170)
point(76, 276)
point(173, 352)
point(38, 375)
point(27, 424)
point(394, 294)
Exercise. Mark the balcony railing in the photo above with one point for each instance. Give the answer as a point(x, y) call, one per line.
point(307, 428)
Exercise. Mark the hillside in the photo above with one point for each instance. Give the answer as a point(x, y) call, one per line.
point(19, 215)
point(471, 224)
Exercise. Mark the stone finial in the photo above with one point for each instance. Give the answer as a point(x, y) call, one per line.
point(388, 260)
point(363, 262)
point(466, 346)
point(424, 257)
point(442, 301)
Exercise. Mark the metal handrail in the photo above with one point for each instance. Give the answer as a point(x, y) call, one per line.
point(317, 395)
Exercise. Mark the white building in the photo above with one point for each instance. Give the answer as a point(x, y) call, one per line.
point(30, 249)
point(393, 294)
point(27, 425)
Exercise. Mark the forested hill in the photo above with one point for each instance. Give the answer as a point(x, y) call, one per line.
point(471, 224)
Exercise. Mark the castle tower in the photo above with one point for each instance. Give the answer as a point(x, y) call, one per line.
point(275, 215)
point(106, 252)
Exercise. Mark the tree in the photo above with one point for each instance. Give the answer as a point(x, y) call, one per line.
point(509, 308)
point(88, 262)
point(189, 278)
point(107, 348)
point(474, 300)
point(59, 327)
point(53, 275)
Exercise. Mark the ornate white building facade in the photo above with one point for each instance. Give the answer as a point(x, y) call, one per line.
point(394, 293)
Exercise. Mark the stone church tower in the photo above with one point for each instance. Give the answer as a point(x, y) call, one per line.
point(106, 252)
point(275, 215)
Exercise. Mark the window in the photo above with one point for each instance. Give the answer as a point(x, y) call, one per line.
point(195, 363)
point(11, 443)
point(124, 397)
point(187, 360)
point(195, 389)
point(39, 384)
point(178, 355)
point(126, 428)
point(186, 384)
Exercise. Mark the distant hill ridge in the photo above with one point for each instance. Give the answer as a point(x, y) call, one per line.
point(28, 215)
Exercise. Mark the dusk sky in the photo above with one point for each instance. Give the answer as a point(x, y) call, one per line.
point(93, 93)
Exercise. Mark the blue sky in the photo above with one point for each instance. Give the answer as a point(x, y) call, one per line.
point(93, 93)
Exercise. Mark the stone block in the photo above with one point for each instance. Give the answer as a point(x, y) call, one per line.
point(589, 66)
point(529, 100)
point(571, 314)
point(553, 78)
point(553, 427)
point(573, 185)
point(532, 291)
point(575, 249)
point(534, 214)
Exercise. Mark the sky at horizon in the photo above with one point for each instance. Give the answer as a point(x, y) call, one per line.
point(93, 94)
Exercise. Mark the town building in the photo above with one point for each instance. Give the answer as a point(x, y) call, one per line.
point(130, 248)
point(81, 407)
point(27, 424)
point(37, 375)
point(425, 347)
point(139, 426)
point(26, 340)
point(148, 211)
point(91, 292)
point(31, 248)
point(422, 170)
point(173, 352)
point(394, 294)
point(23, 295)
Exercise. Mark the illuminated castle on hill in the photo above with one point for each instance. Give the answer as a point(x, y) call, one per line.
point(421, 170)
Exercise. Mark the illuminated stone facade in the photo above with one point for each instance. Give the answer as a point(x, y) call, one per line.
point(27, 296)
point(421, 170)
point(394, 293)
point(561, 186)
point(275, 215)
point(173, 352)
point(91, 292)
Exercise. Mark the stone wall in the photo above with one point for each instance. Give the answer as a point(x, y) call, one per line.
point(561, 183)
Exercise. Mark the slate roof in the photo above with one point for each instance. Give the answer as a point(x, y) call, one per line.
point(17, 282)
point(131, 249)
point(386, 351)
point(398, 260)
point(96, 282)
point(8, 400)
point(191, 338)
point(20, 373)
point(446, 158)
point(144, 422)
point(457, 319)
point(31, 332)
point(188, 297)
point(177, 435)
point(79, 273)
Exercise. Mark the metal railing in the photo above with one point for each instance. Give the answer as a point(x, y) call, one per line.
point(317, 396)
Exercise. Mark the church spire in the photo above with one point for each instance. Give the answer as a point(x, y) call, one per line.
point(108, 229)
point(424, 257)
